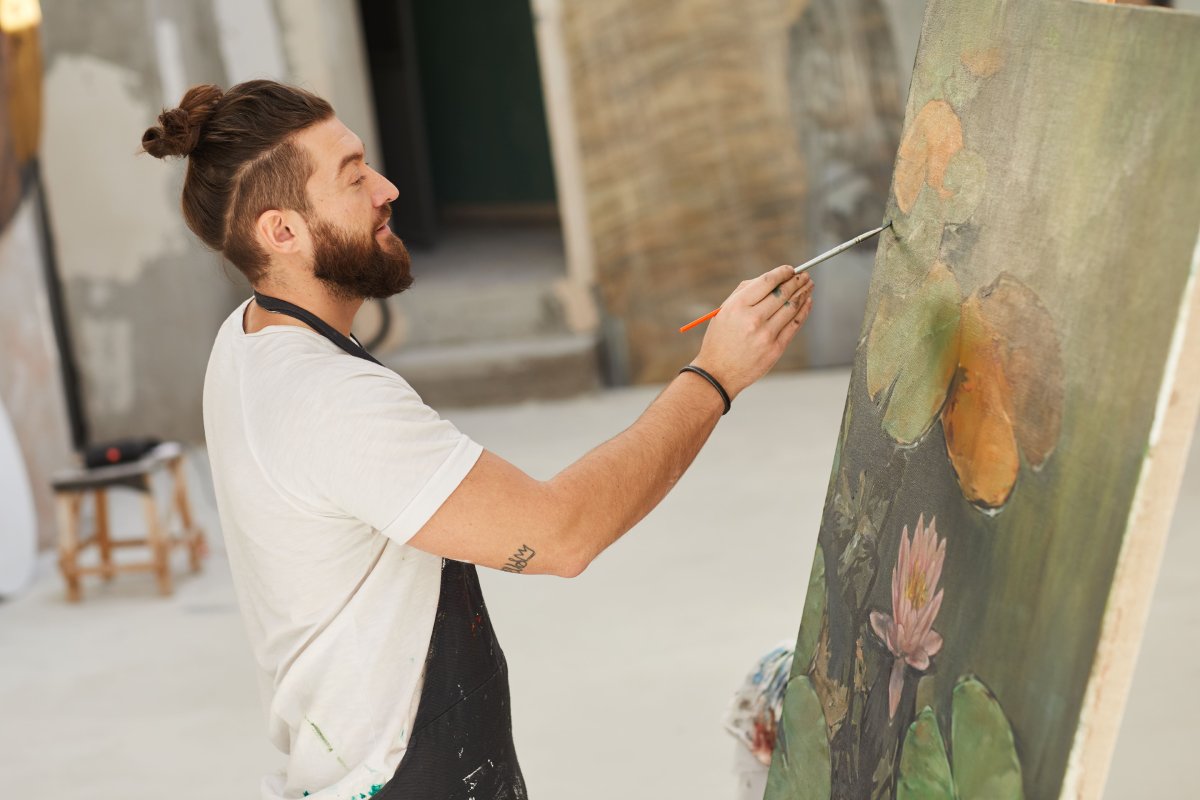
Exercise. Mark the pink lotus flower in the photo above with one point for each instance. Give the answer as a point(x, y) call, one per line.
point(910, 635)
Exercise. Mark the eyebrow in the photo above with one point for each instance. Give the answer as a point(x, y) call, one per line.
point(348, 160)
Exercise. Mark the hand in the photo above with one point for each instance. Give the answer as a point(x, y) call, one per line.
point(754, 327)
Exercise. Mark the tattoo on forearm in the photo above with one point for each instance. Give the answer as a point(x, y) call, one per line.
point(519, 560)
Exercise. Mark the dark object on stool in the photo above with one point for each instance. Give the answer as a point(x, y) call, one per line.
point(121, 451)
point(71, 486)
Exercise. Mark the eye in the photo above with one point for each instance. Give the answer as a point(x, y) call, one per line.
point(361, 178)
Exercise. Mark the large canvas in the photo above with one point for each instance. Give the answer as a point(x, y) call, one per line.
point(1021, 401)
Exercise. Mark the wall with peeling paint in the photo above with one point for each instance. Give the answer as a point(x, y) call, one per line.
point(144, 298)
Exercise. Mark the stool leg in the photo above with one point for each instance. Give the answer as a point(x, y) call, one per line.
point(102, 537)
point(67, 506)
point(159, 547)
point(193, 536)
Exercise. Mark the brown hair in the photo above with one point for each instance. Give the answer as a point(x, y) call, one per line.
point(242, 160)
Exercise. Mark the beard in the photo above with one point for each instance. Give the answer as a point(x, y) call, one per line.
point(355, 266)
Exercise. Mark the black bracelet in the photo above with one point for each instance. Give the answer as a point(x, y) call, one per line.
point(715, 383)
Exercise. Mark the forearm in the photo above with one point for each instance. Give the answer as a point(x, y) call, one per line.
point(502, 518)
point(605, 493)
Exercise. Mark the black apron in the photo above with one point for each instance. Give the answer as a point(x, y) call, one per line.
point(461, 746)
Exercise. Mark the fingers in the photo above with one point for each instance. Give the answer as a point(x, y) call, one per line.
point(781, 295)
point(793, 326)
point(762, 286)
point(789, 308)
point(750, 335)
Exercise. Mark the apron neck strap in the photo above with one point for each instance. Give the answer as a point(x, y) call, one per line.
point(347, 343)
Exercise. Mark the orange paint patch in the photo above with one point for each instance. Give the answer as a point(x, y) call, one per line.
point(978, 418)
point(983, 63)
point(1032, 364)
point(925, 152)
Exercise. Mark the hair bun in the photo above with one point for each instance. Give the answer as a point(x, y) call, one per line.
point(178, 130)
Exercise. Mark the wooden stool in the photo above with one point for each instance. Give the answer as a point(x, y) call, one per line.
point(71, 486)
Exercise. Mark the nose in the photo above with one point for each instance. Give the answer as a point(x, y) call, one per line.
point(385, 190)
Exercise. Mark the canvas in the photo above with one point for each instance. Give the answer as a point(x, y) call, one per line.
point(1022, 398)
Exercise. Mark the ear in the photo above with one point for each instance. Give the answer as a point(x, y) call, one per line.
point(281, 232)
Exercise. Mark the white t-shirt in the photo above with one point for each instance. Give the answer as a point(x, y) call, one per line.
point(325, 465)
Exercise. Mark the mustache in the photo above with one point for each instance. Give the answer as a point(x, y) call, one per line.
point(385, 215)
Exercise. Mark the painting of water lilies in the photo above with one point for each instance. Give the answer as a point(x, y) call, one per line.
point(1002, 459)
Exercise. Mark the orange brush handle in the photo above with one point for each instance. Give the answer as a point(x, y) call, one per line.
point(696, 322)
point(828, 254)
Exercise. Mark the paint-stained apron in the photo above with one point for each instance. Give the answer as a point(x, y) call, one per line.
point(461, 746)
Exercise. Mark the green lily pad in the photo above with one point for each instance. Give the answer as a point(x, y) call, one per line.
point(960, 86)
point(928, 79)
point(810, 623)
point(924, 769)
point(912, 352)
point(847, 417)
point(966, 177)
point(915, 241)
point(981, 740)
point(955, 60)
point(800, 766)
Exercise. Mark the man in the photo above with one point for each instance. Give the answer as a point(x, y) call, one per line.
point(352, 514)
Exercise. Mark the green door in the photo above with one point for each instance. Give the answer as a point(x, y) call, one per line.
point(482, 92)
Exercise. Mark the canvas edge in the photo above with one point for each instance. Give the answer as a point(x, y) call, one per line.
point(1141, 553)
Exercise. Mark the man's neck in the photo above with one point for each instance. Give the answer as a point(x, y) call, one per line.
point(337, 312)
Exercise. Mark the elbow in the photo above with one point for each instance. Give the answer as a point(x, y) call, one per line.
point(565, 527)
point(571, 557)
point(575, 551)
point(573, 566)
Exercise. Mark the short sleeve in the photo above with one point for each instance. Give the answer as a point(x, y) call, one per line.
point(380, 455)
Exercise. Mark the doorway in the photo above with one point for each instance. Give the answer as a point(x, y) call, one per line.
point(462, 124)
point(463, 132)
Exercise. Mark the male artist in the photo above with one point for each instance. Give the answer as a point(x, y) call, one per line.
point(351, 512)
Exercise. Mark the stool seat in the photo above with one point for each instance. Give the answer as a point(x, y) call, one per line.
point(131, 474)
point(71, 486)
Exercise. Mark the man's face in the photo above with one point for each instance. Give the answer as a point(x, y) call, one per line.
point(354, 251)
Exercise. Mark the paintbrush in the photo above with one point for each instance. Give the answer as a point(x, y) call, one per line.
point(807, 265)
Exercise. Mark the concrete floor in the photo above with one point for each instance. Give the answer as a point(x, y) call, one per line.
point(620, 678)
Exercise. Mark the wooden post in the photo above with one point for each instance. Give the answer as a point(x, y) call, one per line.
point(102, 533)
point(159, 547)
point(67, 505)
point(193, 537)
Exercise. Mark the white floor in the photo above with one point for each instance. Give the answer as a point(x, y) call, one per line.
point(620, 677)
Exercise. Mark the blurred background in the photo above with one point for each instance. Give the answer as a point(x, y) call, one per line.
point(578, 178)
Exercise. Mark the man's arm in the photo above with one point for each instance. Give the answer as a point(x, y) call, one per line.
point(500, 517)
